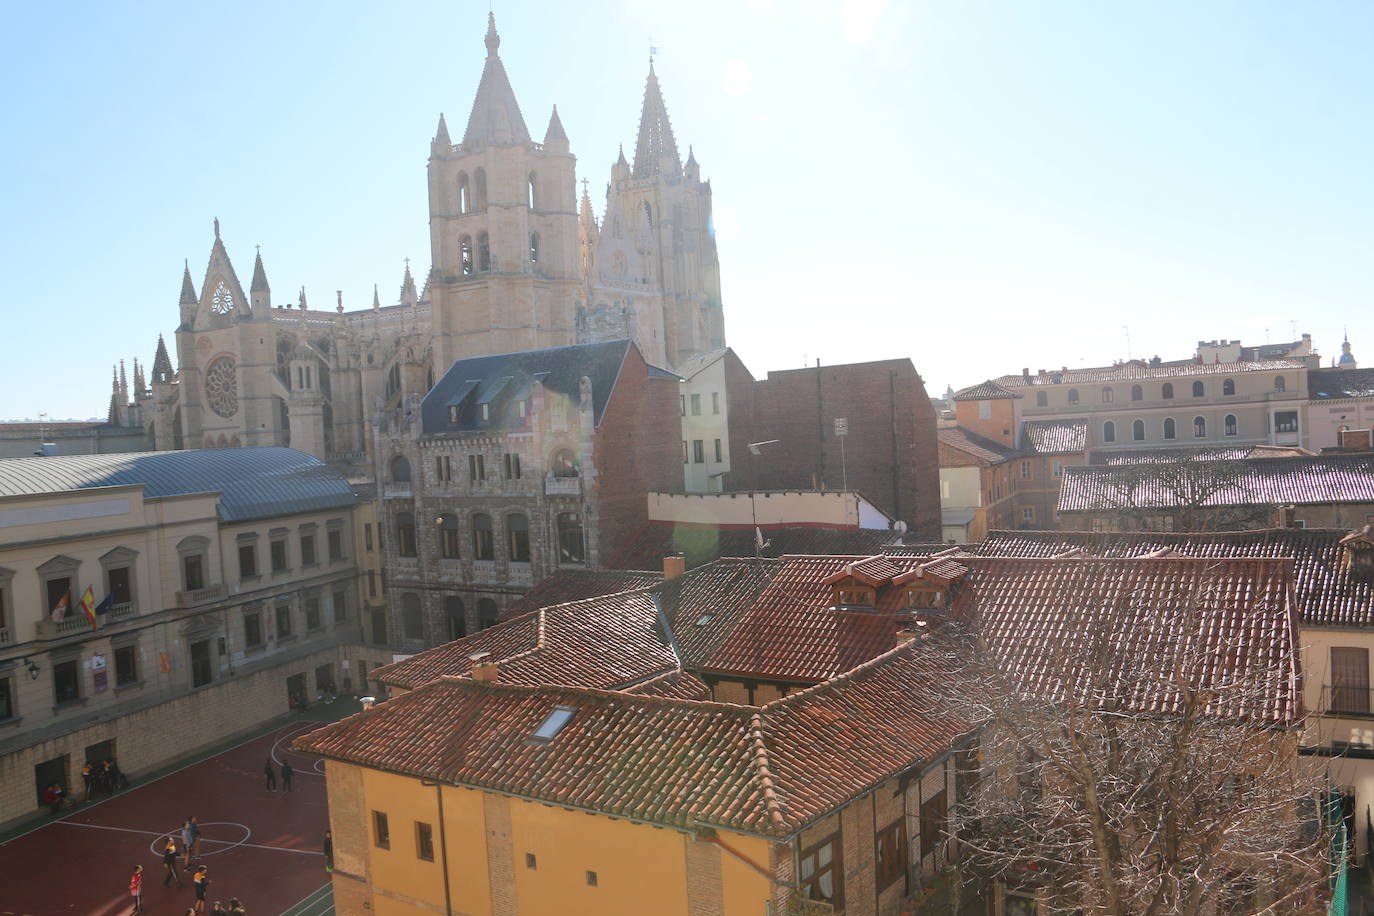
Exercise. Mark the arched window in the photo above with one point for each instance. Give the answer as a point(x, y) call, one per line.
point(464, 194)
point(400, 469)
point(456, 617)
point(1228, 386)
point(534, 247)
point(533, 201)
point(518, 538)
point(1167, 392)
point(448, 536)
point(465, 253)
point(393, 382)
point(562, 464)
point(1199, 428)
point(412, 620)
point(1107, 395)
point(479, 189)
point(405, 534)
point(483, 253)
point(1073, 395)
point(1230, 427)
point(1137, 393)
point(570, 549)
point(1042, 399)
point(1109, 431)
point(1170, 428)
point(483, 548)
point(1138, 431)
point(487, 614)
point(1280, 384)
point(648, 214)
point(1198, 390)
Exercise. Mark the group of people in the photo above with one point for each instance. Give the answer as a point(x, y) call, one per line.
point(269, 772)
point(200, 873)
point(105, 777)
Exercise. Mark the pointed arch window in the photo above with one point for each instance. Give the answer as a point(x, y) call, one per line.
point(648, 214)
point(1228, 386)
point(464, 193)
point(533, 199)
point(465, 255)
point(1170, 428)
point(1109, 431)
point(479, 189)
point(1138, 431)
point(483, 252)
point(1137, 393)
point(1229, 426)
point(1167, 393)
point(1199, 427)
point(534, 247)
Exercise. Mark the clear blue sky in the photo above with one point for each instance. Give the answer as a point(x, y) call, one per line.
point(979, 186)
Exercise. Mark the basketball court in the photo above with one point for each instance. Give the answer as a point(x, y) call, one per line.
point(262, 847)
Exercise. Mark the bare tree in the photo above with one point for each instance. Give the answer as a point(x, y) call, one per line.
point(1138, 760)
point(1193, 494)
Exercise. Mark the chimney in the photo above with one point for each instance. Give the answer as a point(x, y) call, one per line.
point(1288, 516)
point(1025, 373)
point(1042, 373)
point(674, 566)
point(482, 668)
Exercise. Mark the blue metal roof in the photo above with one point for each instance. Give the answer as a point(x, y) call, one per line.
point(253, 482)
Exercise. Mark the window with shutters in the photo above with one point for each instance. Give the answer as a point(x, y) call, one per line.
point(1349, 679)
point(891, 849)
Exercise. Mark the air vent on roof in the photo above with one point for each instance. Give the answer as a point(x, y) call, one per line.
point(553, 724)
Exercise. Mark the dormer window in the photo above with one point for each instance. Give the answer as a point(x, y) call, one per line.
point(453, 413)
point(854, 596)
point(925, 599)
point(486, 413)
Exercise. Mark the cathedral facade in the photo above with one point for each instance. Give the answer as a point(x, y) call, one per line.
point(519, 261)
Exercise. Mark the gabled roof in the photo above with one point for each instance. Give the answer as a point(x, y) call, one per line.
point(1137, 369)
point(1332, 384)
point(559, 369)
point(1245, 481)
point(695, 363)
point(1037, 616)
point(1055, 437)
point(1326, 593)
point(668, 761)
point(567, 585)
point(704, 606)
point(252, 482)
point(612, 642)
point(1199, 453)
point(984, 391)
point(985, 450)
point(495, 117)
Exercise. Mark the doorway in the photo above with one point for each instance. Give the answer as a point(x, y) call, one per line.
point(295, 691)
point(47, 773)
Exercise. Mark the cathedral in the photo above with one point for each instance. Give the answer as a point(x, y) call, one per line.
point(519, 261)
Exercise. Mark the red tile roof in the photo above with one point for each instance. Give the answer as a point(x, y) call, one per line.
point(609, 642)
point(1326, 593)
point(575, 584)
point(703, 543)
point(1140, 370)
point(1200, 453)
point(1054, 437)
point(679, 683)
point(984, 391)
point(769, 770)
point(987, 451)
point(1244, 481)
point(1035, 615)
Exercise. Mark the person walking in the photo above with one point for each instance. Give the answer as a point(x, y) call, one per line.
point(186, 841)
point(328, 850)
point(136, 888)
point(195, 837)
point(286, 772)
point(169, 863)
point(202, 886)
point(270, 773)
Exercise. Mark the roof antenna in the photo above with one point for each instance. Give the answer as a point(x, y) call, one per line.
point(1127, 329)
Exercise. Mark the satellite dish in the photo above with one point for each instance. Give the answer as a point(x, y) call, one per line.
point(899, 526)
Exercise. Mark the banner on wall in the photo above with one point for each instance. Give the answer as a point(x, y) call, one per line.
point(164, 663)
point(99, 674)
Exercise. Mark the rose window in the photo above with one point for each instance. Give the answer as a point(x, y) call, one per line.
point(221, 303)
point(221, 387)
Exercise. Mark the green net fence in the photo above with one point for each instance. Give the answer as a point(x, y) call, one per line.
point(1340, 855)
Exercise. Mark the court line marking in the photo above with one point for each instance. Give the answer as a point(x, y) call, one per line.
point(175, 834)
point(164, 833)
point(86, 806)
point(277, 744)
point(306, 905)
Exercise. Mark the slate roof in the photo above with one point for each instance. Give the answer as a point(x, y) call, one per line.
point(701, 544)
point(1326, 593)
point(988, 451)
point(1332, 384)
point(1318, 479)
point(680, 763)
point(567, 585)
point(495, 116)
point(507, 377)
point(984, 391)
point(1140, 370)
point(252, 482)
point(609, 642)
point(1037, 616)
point(1054, 437)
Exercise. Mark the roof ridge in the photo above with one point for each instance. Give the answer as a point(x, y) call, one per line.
point(763, 771)
point(843, 678)
point(462, 681)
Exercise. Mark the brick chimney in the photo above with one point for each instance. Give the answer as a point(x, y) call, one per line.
point(1288, 516)
point(674, 566)
point(483, 669)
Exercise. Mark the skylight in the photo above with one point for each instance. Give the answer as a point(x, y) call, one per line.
point(553, 723)
point(703, 620)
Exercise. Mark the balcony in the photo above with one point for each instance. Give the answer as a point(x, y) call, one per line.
point(56, 629)
point(1347, 702)
point(562, 486)
point(198, 596)
point(121, 611)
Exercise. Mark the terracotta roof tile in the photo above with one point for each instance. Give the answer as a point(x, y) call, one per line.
point(679, 684)
point(1335, 384)
point(1140, 370)
point(1054, 437)
point(703, 543)
point(984, 391)
point(984, 449)
point(575, 584)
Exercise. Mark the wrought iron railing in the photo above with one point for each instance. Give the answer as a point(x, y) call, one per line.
point(1337, 700)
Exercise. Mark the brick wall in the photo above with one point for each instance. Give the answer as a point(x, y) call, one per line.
point(705, 894)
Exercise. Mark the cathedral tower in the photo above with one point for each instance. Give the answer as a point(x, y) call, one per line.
point(503, 228)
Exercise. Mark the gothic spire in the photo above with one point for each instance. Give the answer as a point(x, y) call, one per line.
point(376, 300)
point(123, 388)
point(495, 114)
point(655, 150)
point(162, 363)
point(140, 385)
point(441, 135)
point(555, 131)
point(188, 289)
point(259, 277)
point(408, 294)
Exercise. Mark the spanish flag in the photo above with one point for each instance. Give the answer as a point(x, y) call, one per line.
point(88, 606)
